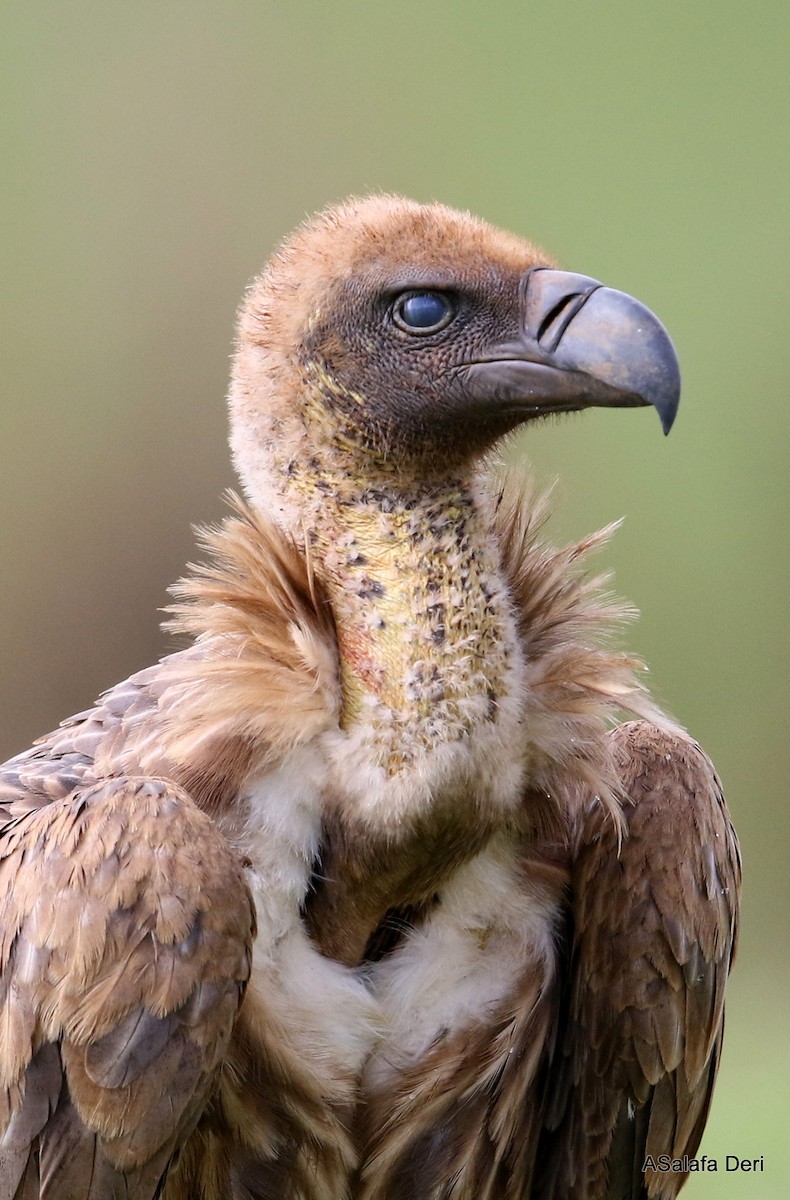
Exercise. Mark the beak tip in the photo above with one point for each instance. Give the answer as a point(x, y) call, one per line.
point(665, 397)
point(667, 414)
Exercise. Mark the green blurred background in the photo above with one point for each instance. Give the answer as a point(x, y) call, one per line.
point(153, 154)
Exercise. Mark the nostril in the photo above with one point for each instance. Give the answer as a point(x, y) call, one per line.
point(550, 300)
point(558, 317)
point(553, 317)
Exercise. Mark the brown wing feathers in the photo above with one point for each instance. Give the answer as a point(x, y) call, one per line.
point(654, 927)
point(126, 941)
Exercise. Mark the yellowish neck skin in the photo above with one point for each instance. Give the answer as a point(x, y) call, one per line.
point(415, 586)
point(409, 591)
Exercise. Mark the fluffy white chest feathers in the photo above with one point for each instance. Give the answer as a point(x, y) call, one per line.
point(362, 1023)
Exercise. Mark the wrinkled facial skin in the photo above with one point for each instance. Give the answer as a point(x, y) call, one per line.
point(415, 402)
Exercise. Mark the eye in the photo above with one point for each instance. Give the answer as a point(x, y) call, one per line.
point(423, 312)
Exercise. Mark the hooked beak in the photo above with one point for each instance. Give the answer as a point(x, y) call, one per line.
point(580, 345)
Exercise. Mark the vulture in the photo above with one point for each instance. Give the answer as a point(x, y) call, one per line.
point(391, 883)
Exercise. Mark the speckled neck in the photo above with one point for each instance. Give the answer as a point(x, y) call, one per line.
point(423, 619)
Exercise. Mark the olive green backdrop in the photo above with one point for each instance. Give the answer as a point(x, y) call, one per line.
point(152, 155)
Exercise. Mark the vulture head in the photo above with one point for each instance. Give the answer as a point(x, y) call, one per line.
point(414, 335)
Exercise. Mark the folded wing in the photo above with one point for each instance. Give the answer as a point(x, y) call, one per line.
point(126, 937)
point(654, 924)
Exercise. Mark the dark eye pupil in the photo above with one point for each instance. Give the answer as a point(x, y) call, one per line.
point(424, 310)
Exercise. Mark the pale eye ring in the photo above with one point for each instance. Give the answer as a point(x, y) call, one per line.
point(423, 312)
